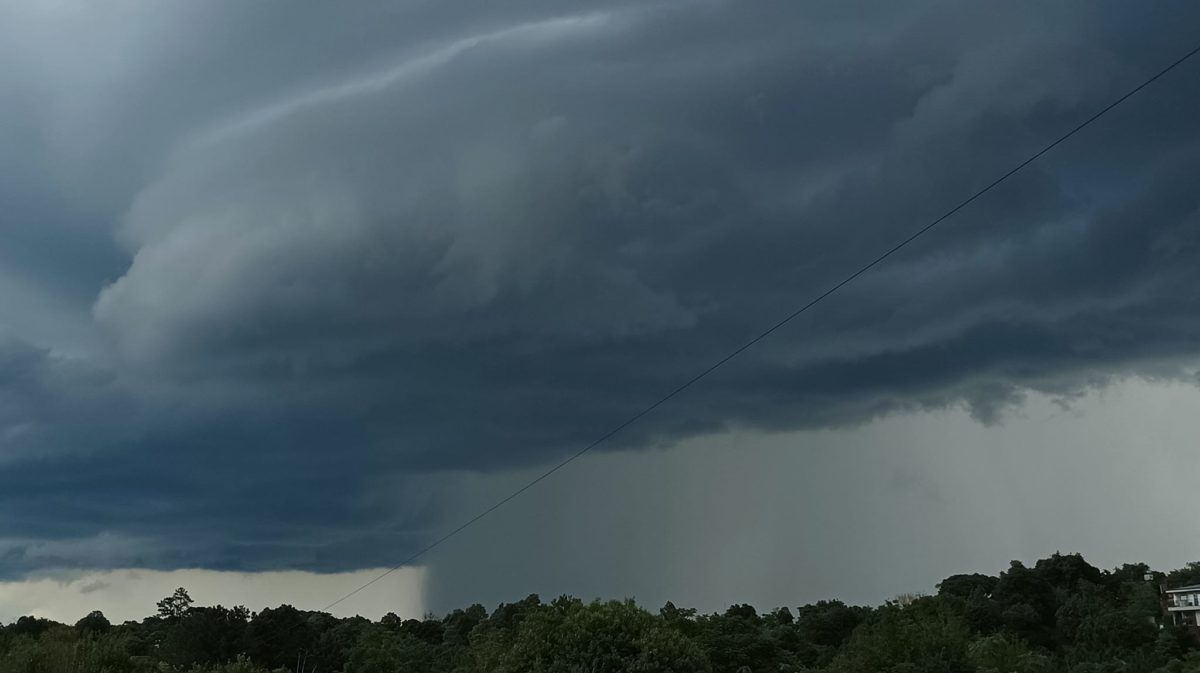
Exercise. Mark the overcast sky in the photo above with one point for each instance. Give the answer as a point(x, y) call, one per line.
point(299, 287)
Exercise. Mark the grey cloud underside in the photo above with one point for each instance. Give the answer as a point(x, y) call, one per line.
point(372, 243)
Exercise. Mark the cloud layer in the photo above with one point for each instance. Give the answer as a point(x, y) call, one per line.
point(264, 267)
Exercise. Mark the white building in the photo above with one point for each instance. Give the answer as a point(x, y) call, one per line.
point(1183, 604)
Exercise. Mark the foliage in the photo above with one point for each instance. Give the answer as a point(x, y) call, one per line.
point(926, 635)
point(602, 637)
point(1060, 615)
point(175, 605)
point(94, 622)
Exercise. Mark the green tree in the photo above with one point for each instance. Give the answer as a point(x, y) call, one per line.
point(94, 622)
point(279, 637)
point(205, 635)
point(999, 653)
point(458, 625)
point(739, 639)
point(1095, 619)
point(384, 650)
point(927, 636)
point(31, 626)
point(965, 585)
point(175, 605)
point(1027, 602)
point(599, 637)
point(1066, 571)
point(1185, 576)
point(337, 640)
point(829, 623)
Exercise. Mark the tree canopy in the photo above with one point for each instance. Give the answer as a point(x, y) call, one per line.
point(1059, 615)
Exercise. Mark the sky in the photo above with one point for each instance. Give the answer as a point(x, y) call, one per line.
point(287, 292)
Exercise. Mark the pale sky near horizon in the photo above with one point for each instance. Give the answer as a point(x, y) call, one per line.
point(131, 594)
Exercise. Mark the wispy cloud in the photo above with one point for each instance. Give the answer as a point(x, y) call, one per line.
point(532, 35)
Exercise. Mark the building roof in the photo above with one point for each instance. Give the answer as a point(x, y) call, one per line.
point(1190, 587)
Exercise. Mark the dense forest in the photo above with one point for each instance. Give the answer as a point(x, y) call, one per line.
point(1061, 614)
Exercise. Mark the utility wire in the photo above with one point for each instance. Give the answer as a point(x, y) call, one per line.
point(767, 332)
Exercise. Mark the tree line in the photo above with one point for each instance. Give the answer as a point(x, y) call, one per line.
point(1059, 615)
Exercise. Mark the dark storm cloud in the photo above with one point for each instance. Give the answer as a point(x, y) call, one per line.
point(371, 242)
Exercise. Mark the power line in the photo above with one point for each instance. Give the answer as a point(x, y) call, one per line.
point(767, 332)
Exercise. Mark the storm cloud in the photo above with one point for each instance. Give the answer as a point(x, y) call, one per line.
point(268, 261)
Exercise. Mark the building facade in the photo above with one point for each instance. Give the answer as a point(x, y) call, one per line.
point(1183, 605)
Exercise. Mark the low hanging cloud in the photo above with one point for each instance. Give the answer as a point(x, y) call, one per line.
point(400, 243)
